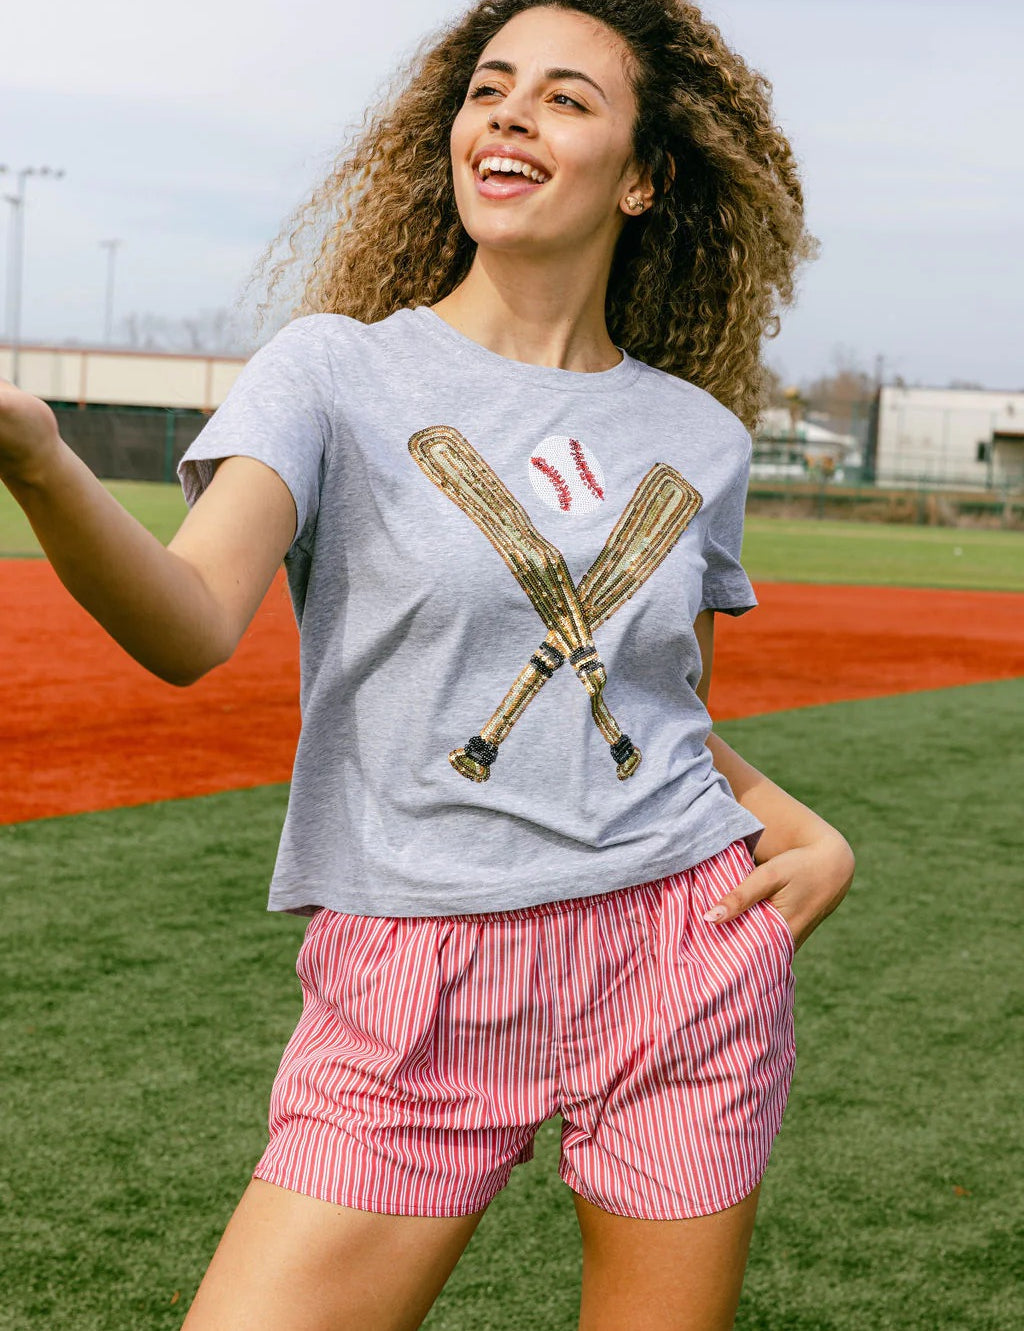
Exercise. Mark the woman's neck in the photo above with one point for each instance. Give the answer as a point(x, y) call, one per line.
point(537, 312)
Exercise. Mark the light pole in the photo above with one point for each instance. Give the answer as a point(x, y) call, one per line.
point(108, 321)
point(16, 256)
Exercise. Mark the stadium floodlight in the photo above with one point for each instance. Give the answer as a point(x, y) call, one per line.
point(16, 254)
point(108, 320)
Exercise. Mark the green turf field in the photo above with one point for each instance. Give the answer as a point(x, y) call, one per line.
point(802, 550)
point(158, 507)
point(148, 996)
point(813, 550)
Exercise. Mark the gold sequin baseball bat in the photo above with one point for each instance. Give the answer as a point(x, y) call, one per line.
point(660, 510)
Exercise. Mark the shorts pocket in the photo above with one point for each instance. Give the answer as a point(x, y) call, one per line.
point(759, 932)
point(780, 926)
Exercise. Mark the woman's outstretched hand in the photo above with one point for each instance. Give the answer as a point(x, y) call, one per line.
point(806, 883)
point(29, 433)
point(178, 610)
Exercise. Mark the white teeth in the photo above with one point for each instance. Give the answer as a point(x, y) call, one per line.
point(488, 165)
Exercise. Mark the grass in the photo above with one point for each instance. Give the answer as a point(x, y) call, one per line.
point(158, 507)
point(775, 549)
point(148, 996)
point(823, 550)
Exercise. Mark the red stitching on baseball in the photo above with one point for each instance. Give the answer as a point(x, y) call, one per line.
point(557, 480)
point(586, 475)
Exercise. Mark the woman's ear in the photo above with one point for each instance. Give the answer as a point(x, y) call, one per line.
point(642, 188)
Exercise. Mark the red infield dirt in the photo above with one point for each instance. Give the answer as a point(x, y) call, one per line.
point(84, 728)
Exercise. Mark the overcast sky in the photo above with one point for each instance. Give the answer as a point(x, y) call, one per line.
point(191, 130)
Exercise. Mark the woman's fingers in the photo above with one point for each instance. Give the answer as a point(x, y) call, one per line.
point(761, 882)
point(805, 884)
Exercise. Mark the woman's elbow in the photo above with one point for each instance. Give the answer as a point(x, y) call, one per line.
point(183, 670)
point(844, 863)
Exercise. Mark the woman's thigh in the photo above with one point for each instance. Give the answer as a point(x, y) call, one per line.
point(676, 1047)
point(288, 1262)
point(663, 1275)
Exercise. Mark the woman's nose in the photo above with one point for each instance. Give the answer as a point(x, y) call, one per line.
point(508, 126)
point(512, 117)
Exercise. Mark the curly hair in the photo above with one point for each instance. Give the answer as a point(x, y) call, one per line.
point(695, 281)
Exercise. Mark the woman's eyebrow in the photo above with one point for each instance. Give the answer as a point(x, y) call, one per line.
point(506, 67)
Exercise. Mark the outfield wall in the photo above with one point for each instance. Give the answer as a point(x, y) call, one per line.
point(921, 504)
point(87, 376)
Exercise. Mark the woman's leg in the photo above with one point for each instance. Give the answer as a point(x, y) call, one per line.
point(675, 1065)
point(663, 1275)
point(288, 1262)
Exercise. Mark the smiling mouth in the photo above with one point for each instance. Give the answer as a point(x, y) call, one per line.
point(509, 167)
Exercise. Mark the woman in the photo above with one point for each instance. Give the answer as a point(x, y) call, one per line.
point(517, 404)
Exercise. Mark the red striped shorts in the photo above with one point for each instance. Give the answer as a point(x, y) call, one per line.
point(431, 1048)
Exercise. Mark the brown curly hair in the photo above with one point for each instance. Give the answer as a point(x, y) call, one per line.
point(695, 281)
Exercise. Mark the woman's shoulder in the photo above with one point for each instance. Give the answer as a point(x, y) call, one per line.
point(344, 327)
point(322, 343)
point(338, 340)
point(698, 405)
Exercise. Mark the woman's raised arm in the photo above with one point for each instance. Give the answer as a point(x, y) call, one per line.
point(178, 610)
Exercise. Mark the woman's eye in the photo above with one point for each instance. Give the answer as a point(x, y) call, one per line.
point(487, 90)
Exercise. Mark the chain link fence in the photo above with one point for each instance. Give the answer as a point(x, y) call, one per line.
point(129, 443)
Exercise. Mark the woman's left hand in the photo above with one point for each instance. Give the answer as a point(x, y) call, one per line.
point(805, 884)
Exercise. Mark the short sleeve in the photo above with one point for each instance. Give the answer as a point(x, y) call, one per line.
point(279, 410)
point(726, 586)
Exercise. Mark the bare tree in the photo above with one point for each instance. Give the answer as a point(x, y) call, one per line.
point(775, 388)
point(841, 397)
point(213, 332)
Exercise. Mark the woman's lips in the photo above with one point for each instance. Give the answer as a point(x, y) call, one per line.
point(505, 187)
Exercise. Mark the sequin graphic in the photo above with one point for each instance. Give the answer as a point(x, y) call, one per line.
point(583, 468)
point(557, 480)
point(657, 514)
point(566, 475)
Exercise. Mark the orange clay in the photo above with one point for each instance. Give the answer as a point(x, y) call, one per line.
point(83, 727)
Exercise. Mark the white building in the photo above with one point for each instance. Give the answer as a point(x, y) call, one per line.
point(103, 377)
point(950, 436)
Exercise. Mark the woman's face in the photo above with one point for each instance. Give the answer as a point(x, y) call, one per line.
point(550, 94)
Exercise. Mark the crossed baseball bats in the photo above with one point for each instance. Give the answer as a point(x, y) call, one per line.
point(659, 511)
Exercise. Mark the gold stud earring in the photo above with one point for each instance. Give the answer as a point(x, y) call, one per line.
point(633, 203)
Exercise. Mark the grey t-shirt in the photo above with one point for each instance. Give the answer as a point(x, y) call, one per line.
point(465, 521)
